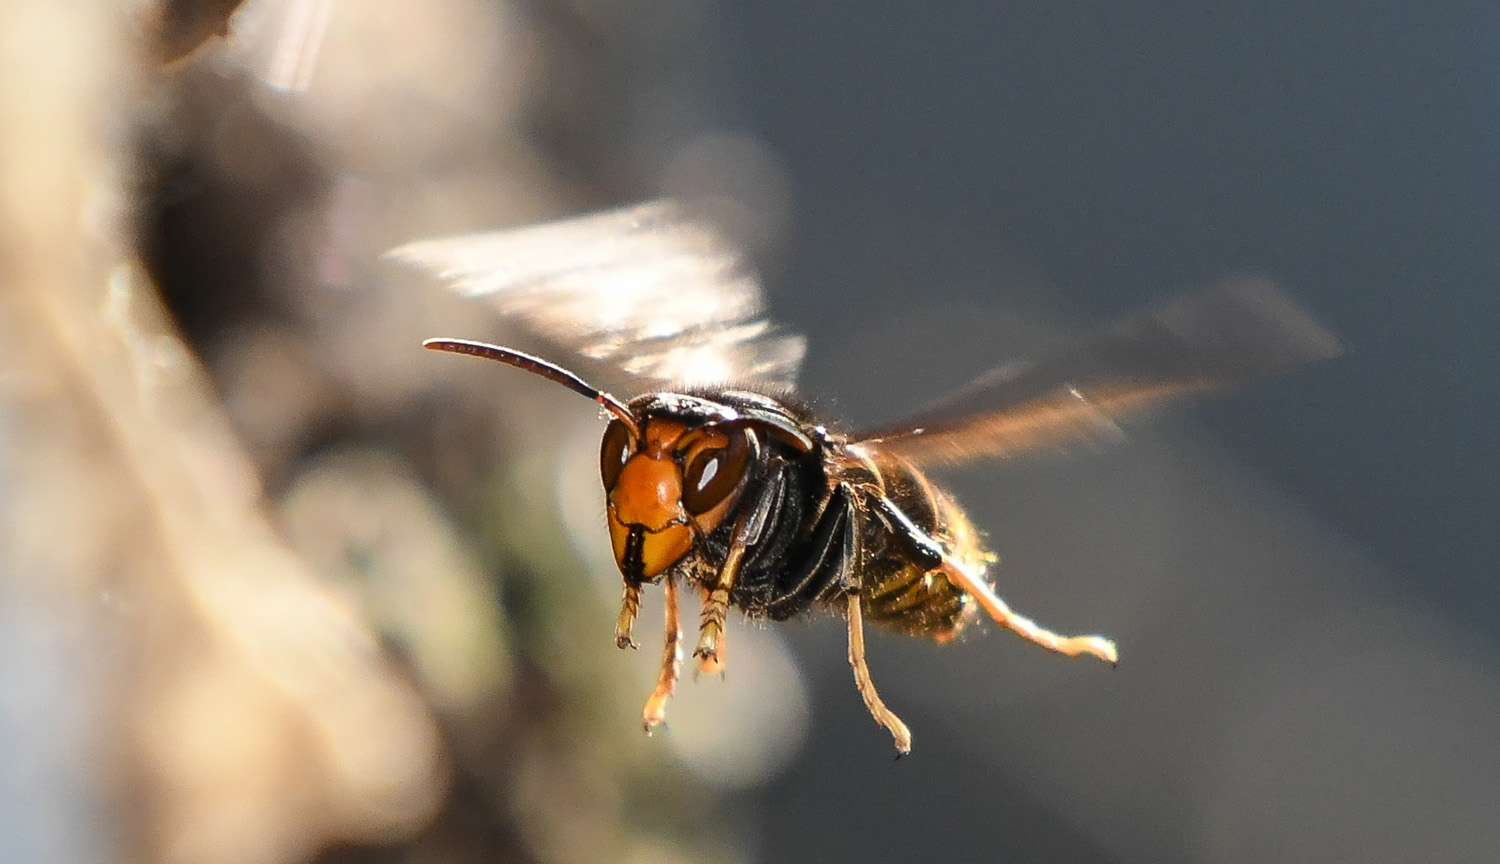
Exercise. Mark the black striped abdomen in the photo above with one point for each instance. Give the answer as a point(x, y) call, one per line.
point(899, 592)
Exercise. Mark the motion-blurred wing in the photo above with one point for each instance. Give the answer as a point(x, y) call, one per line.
point(647, 289)
point(1193, 343)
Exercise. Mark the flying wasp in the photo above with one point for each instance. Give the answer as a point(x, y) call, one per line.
point(737, 491)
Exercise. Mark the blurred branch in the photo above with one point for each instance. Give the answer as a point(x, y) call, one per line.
point(178, 27)
point(264, 720)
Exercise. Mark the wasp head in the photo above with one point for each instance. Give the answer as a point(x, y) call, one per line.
point(674, 466)
point(672, 479)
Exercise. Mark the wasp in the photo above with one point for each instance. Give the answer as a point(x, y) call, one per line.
point(717, 479)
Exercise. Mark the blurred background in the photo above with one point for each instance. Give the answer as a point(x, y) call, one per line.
point(278, 586)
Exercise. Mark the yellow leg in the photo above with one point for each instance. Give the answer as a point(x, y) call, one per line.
point(882, 714)
point(671, 663)
point(714, 665)
point(629, 606)
point(716, 606)
point(1072, 646)
point(711, 630)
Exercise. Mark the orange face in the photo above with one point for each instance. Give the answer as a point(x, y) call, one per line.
point(669, 488)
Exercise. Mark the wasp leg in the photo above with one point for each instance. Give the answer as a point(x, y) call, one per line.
point(924, 550)
point(832, 553)
point(830, 566)
point(716, 607)
point(714, 665)
point(883, 715)
point(629, 606)
point(928, 552)
point(671, 663)
point(747, 530)
point(1072, 646)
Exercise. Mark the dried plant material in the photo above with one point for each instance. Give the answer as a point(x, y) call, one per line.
point(179, 27)
point(266, 721)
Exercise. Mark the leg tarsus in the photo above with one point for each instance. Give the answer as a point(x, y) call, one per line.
point(747, 530)
point(716, 603)
point(671, 664)
point(629, 606)
point(714, 664)
point(975, 586)
point(711, 629)
point(883, 715)
point(923, 547)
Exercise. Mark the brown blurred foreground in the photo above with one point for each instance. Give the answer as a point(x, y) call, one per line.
point(202, 667)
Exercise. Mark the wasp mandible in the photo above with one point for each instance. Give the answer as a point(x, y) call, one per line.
point(739, 492)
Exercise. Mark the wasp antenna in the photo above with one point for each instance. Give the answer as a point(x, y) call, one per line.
point(538, 366)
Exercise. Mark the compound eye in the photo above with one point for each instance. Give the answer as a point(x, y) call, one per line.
point(613, 453)
point(714, 472)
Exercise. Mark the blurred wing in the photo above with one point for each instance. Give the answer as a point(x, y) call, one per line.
point(1193, 343)
point(647, 289)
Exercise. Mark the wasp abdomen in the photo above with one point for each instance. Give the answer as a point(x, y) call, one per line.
point(912, 528)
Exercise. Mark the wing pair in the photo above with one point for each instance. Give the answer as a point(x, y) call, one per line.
point(668, 300)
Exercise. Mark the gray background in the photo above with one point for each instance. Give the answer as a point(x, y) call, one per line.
point(1116, 152)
